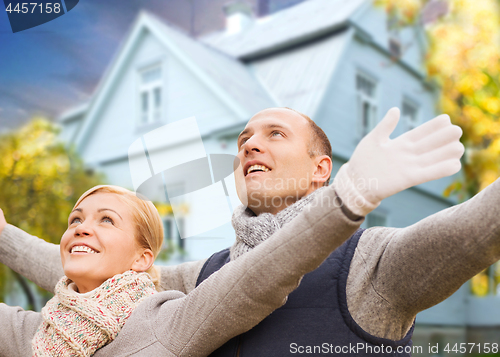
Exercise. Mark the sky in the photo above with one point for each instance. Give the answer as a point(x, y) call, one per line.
point(56, 66)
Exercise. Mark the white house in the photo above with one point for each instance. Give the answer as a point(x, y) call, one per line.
point(334, 60)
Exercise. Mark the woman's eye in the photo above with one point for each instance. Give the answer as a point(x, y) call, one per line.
point(107, 219)
point(76, 220)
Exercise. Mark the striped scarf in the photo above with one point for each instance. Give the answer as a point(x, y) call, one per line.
point(79, 324)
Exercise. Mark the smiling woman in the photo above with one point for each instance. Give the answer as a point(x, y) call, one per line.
point(107, 303)
point(110, 231)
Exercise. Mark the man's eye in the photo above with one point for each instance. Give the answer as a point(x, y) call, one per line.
point(242, 141)
point(276, 132)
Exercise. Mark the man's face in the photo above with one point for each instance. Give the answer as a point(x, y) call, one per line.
point(276, 169)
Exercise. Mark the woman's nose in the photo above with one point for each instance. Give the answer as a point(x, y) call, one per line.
point(83, 229)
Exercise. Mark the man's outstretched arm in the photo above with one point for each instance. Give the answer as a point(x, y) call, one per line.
point(397, 273)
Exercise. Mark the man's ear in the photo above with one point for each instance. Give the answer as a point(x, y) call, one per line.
point(144, 261)
point(322, 170)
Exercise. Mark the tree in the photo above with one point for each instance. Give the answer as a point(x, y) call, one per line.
point(464, 59)
point(41, 179)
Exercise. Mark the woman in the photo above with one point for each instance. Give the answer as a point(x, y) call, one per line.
point(112, 240)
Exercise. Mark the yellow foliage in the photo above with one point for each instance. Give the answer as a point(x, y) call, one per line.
point(464, 59)
point(480, 284)
point(41, 180)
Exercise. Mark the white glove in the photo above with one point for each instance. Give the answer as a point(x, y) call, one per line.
point(381, 167)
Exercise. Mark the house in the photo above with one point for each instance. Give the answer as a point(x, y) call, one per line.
point(334, 60)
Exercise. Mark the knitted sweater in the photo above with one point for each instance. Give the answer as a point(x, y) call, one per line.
point(228, 303)
point(394, 274)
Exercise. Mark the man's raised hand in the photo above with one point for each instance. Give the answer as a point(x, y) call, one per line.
point(381, 167)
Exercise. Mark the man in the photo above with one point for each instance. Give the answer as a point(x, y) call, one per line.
point(363, 299)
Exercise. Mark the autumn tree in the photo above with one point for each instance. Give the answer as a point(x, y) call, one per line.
point(463, 58)
point(40, 179)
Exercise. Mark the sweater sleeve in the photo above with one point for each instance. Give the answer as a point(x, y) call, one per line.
point(396, 273)
point(32, 257)
point(18, 329)
point(246, 290)
point(180, 277)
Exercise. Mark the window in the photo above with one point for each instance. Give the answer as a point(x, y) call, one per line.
point(366, 89)
point(393, 27)
point(410, 114)
point(172, 231)
point(395, 48)
point(376, 219)
point(150, 95)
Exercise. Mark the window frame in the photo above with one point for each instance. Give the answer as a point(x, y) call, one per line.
point(366, 99)
point(154, 112)
point(409, 123)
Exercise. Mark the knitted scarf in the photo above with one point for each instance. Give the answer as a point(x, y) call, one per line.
point(79, 324)
point(251, 230)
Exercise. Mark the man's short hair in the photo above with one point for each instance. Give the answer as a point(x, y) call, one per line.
point(319, 143)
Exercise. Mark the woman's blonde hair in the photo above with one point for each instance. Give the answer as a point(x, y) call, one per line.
point(148, 223)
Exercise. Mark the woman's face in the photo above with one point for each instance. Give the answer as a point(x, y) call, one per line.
point(99, 242)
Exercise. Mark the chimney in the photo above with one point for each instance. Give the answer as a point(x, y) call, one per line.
point(239, 16)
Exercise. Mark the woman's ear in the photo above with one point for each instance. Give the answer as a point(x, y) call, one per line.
point(143, 261)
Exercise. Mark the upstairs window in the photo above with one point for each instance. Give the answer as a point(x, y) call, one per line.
point(366, 89)
point(393, 27)
point(150, 95)
point(395, 48)
point(410, 114)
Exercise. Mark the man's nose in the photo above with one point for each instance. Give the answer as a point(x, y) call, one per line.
point(253, 144)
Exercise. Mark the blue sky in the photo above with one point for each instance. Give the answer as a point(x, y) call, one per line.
point(55, 66)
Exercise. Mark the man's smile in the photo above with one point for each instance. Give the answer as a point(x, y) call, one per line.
point(253, 167)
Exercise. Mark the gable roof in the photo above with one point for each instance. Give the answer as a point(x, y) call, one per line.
point(298, 78)
point(228, 72)
point(226, 77)
point(286, 28)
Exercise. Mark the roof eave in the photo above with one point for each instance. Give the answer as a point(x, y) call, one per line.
point(293, 42)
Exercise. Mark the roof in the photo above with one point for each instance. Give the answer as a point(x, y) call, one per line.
point(280, 30)
point(298, 78)
point(226, 77)
point(229, 73)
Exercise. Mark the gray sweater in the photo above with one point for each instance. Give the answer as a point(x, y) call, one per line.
point(395, 272)
point(170, 323)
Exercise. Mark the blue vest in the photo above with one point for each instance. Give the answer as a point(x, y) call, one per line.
point(314, 321)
